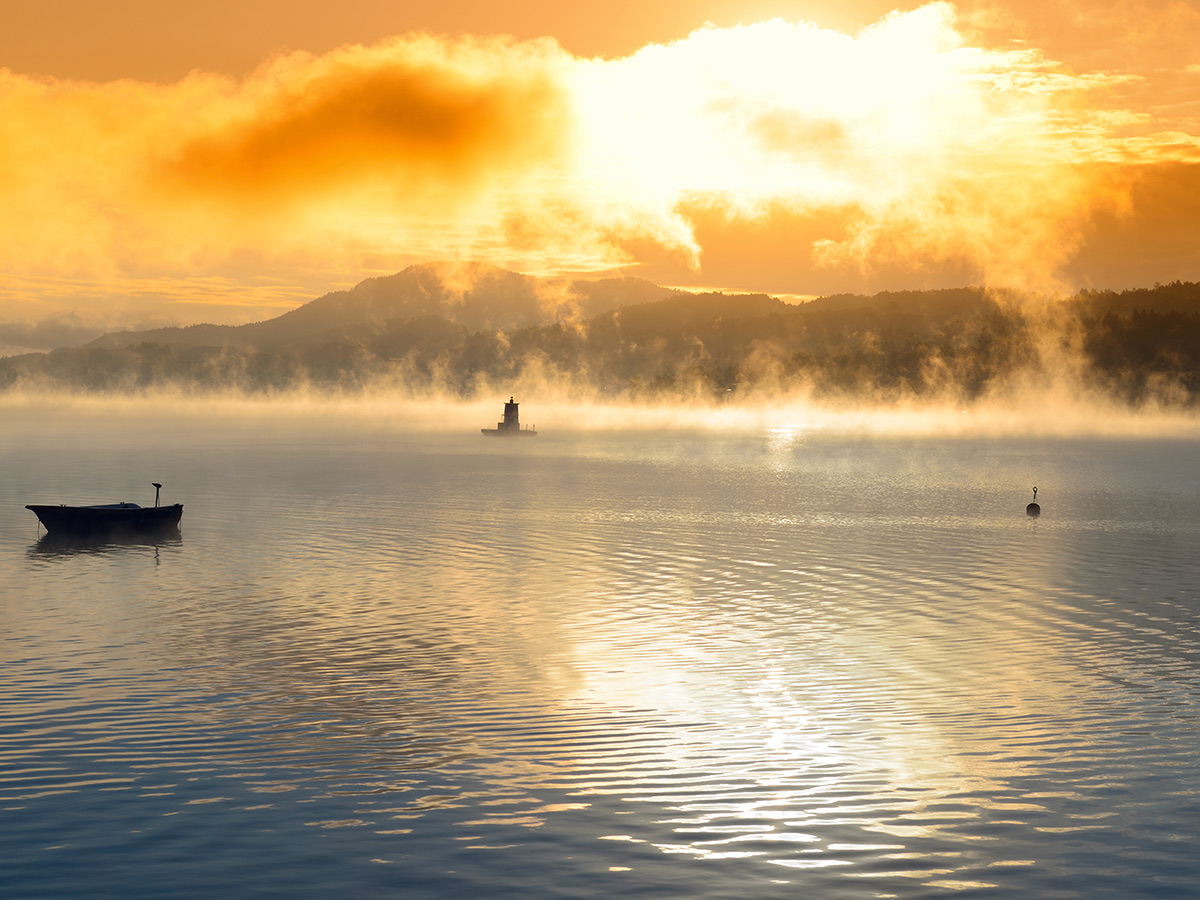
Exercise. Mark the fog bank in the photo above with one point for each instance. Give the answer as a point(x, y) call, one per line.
point(557, 415)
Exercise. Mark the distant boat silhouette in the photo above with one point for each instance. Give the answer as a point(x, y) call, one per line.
point(510, 425)
point(109, 518)
point(1033, 509)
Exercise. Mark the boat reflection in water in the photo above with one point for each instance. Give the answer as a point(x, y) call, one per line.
point(64, 544)
point(115, 520)
point(510, 425)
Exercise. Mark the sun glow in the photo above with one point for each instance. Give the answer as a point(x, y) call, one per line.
point(896, 124)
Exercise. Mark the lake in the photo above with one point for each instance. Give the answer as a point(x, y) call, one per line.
point(767, 661)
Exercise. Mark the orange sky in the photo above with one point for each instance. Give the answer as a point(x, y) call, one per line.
point(170, 165)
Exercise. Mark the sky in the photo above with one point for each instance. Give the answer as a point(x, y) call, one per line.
point(171, 164)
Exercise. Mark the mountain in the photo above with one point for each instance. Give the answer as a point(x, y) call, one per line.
point(475, 296)
point(462, 330)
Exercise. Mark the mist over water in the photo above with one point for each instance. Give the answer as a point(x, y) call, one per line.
point(785, 657)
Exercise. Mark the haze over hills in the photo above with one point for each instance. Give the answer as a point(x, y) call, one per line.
point(474, 296)
point(466, 330)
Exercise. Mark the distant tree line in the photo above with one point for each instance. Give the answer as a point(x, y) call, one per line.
point(1136, 346)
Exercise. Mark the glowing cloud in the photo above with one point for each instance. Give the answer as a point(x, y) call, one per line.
point(928, 147)
point(362, 147)
point(419, 121)
point(913, 146)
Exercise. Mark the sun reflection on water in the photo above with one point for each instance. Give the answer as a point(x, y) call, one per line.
point(833, 659)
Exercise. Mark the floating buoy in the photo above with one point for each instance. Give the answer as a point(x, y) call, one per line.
point(1033, 509)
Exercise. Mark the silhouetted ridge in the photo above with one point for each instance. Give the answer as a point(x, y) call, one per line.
point(472, 295)
point(466, 328)
point(689, 310)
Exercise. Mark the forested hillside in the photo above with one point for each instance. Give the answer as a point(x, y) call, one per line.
point(1135, 346)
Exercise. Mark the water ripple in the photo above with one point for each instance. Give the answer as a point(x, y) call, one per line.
point(591, 671)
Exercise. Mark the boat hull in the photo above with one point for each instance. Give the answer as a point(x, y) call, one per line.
point(115, 518)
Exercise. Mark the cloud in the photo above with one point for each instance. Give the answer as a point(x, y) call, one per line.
point(356, 149)
point(933, 151)
point(930, 145)
point(425, 120)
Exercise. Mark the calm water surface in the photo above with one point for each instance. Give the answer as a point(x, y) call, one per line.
point(784, 663)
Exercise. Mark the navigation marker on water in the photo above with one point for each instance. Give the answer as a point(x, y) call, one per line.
point(1033, 509)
